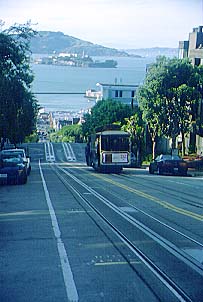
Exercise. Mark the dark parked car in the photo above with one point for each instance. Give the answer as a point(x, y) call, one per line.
point(13, 170)
point(168, 164)
point(195, 163)
point(15, 153)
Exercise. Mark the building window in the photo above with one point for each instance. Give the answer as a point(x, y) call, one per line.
point(116, 93)
point(132, 94)
point(120, 93)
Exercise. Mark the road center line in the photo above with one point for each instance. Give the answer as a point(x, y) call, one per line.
point(162, 203)
point(71, 290)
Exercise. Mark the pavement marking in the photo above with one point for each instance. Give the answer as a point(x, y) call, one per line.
point(70, 286)
point(163, 203)
point(128, 209)
point(49, 152)
point(76, 211)
point(68, 151)
point(116, 263)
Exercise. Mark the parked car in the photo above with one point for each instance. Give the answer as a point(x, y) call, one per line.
point(18, 151)
point(194, 162)
point(168, 164)
point(12, 170)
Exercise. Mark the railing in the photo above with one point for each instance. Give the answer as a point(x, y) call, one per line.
point(59, 92)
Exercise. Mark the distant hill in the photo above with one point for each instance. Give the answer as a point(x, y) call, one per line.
point(48, 42)
point(154, 52)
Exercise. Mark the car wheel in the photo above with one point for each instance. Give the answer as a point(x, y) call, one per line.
point(160, 171)
point(28, 171)
point(22, 180)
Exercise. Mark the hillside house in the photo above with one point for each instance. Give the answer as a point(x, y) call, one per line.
point(126, 94)
point(193, 49)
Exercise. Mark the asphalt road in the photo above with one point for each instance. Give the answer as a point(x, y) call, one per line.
point(71, 234)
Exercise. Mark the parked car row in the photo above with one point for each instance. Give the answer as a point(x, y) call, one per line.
point(14, 166)
point(168, 164)
point(195, 163)
point(164, 164)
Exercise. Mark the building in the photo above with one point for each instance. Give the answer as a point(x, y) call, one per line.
point(193, 48)
point(117, 92)
point(93, 95)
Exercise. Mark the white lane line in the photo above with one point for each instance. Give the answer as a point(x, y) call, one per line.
point(69, 153)
point(71, 290)
point(66, 152)
point(52, 155)
point(46, 151)
point(49, 152)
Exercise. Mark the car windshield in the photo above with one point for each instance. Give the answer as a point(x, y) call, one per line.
point(11, 161)
point(13, 153)
point(168, 157)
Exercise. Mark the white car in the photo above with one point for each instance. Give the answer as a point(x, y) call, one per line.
point(18, 152)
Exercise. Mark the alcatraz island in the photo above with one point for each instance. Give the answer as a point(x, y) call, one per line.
point(75, 60)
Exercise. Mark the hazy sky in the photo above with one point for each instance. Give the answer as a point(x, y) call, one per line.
point(112, 23)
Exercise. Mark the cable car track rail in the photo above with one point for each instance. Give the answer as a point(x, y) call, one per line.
point(181, 257)
point(157, 200)
point(172, 193)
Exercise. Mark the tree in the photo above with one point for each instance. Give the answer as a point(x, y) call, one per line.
point(18, 106)
point(198, 110)
point(136, 127)
point(70, 133)
point(104, 113)
point(150, 104)
point(169, 98)
point(180, 98)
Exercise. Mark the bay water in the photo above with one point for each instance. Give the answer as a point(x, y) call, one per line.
point(60, 79)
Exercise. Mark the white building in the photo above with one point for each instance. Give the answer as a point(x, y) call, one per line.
point(118, 92)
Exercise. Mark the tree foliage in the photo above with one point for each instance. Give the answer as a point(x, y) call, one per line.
point(104, 113)
point(18, 106)
point(169, 98)
point(71, 133)
point(198, 118)
point(136, 127)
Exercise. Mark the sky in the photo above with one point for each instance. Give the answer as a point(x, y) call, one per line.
point(121, 24)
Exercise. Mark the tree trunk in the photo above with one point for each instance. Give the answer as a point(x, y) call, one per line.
point(183, 143)
point(139, 161)
point(193, 139)
point(153, 148)
point(173, 142)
